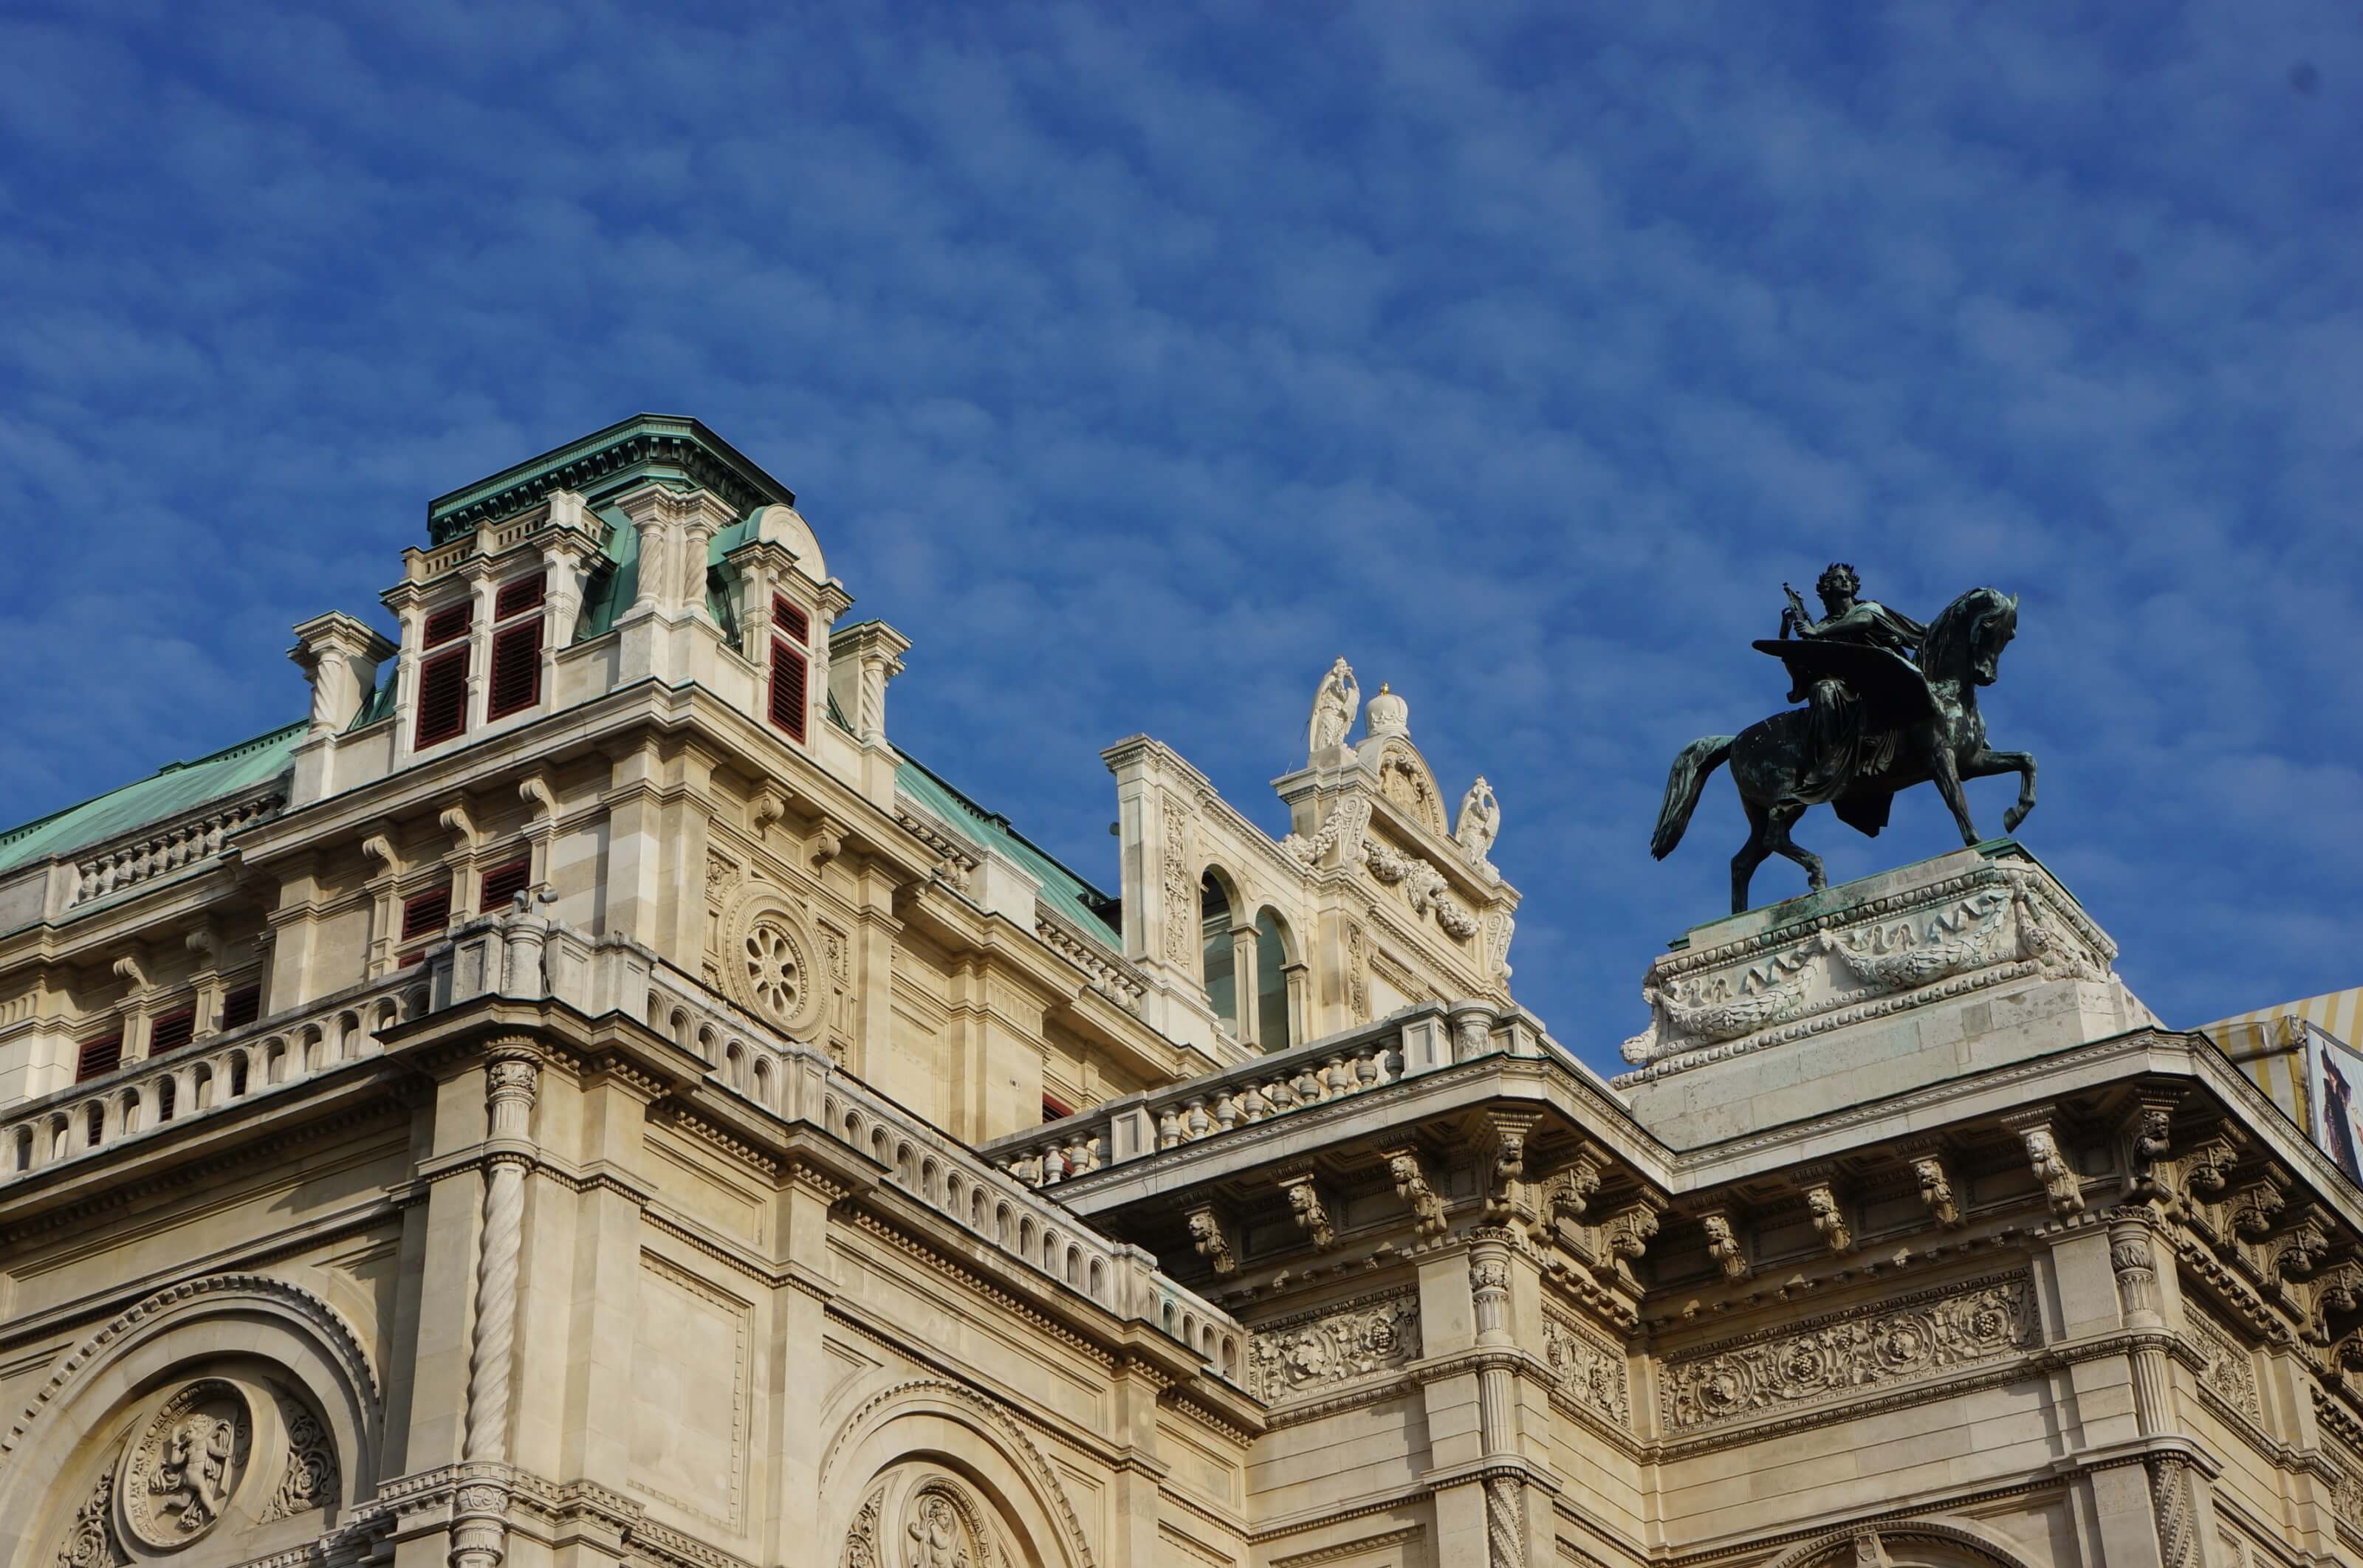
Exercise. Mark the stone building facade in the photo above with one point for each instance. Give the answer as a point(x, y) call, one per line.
point(585, 1095)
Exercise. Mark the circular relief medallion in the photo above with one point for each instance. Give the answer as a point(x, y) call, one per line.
point(770, 963)
point(178, 1475)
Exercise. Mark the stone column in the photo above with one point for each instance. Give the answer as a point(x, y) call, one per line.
point(649, 522)
point(512, 1077)
point(696, 543)
point(1489, 1292)
point(2132, 1255)
point(483, 591)
point(1244, 980)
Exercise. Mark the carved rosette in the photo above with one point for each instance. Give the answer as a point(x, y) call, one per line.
point(180, 1472)
point(1316, 1351)
point(771, 963)
point(1849, 1354)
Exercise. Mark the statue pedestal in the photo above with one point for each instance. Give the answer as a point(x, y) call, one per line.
point(1873, 987)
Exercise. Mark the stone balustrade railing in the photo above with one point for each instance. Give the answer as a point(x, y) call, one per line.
point(1107, 974)
point(525, 956)
point(1417, 1040)
point(798, 1081)
point(160, 849)
point(221, 1070)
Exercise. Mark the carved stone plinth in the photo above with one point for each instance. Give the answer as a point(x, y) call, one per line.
point(1872, 988)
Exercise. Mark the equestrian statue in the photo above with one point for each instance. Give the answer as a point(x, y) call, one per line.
point(1889, 703)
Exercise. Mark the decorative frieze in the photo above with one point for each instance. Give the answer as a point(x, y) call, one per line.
point(1588, 1371)
point(1318, 1351)
point(2226, 1369)
point(1994, 922)
point(1935, 1331)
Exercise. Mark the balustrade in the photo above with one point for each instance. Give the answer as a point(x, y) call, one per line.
point(217, 1071)
point(157, 851)
point(796, 1080)
point(1418, 1040)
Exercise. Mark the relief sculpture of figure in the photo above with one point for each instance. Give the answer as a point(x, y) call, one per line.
point(1334, 706)
point(1479, 821)
point(1889, 703)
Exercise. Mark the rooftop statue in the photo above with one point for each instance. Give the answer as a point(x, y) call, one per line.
point(1889, 703)
point(1333, 710)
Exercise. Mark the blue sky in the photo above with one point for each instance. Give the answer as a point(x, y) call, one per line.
point(1137, 361)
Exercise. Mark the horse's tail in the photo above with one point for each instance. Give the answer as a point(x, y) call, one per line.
point(1698, 759)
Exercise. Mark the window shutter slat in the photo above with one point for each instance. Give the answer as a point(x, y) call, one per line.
point(448, 623)
point(517, 669)
point(241, 1007)
point(788, 689)
point(516, 598)
point(442, 697)
point(503, 883)
point(98, 1058)
point(426, 914)
point(788, 622)
point(171, 1031)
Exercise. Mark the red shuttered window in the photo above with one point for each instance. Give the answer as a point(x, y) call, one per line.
point(787, 689)
point(517, 669)
point(98, 1058)
point(442, 697)
point(241, 1007)
point(171, 1031)
point(426, 914)
point(448, 623)
point(519, 596)
point(503, 883)
point(789, 622)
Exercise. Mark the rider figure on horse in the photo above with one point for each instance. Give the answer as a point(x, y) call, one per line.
point(1857, 670)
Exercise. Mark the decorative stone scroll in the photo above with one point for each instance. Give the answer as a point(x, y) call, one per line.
point(181, 1469)
point(311, 1477)
point(1318, 1351)
point(1832, 1357)
point(89, 1541)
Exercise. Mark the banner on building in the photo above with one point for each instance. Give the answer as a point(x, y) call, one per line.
point(2334, 1075)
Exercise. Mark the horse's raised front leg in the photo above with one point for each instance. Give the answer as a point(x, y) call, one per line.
point(1780, 819)
point(1989, 762)
point(1948, 772)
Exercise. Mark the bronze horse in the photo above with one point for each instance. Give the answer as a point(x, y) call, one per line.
point(1918, 724)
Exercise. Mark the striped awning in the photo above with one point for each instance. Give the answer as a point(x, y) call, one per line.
point(2268, 1044)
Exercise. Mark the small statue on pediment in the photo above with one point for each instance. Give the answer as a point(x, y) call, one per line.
point(1334, 706)
point(1479, 821)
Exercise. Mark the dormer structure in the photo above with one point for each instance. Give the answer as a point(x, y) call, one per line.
point(1369, 905)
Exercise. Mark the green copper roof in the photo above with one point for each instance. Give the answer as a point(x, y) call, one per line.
point(176, 787)
point(1085, 908)
point(666, 447)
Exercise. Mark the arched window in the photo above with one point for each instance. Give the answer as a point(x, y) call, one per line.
point(1271, 983)
point(1221, 967)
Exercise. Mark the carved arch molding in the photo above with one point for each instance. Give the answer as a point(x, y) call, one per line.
point(921, 1510)
point(215, 1406)
point(1906, 1544)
